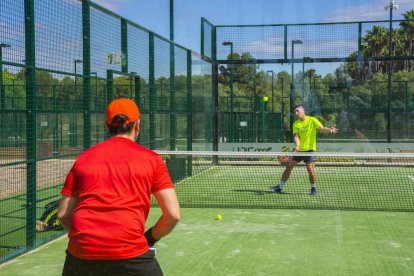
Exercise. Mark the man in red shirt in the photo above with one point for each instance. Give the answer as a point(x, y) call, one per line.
point(106, 199)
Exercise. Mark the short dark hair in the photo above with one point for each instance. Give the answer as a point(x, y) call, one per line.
point(296, 106)
point(122, 129)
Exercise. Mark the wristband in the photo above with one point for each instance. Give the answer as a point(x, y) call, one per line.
point(150, 238)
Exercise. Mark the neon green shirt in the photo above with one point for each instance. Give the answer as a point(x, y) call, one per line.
point(307, 132)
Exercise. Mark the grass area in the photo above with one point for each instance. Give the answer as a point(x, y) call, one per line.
point(267, 242)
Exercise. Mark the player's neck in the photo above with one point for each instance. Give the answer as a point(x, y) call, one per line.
point(131, 136)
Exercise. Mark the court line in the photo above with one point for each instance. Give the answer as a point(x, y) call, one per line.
point(195, 175)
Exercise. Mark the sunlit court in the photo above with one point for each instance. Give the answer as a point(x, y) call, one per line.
point(287, 129)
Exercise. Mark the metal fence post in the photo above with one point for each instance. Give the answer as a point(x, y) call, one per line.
point(31, 99)
point(87, 137)
point(152, 91)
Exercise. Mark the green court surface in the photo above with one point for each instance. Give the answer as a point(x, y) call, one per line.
point(346, 187)
point(266, 242)
point(13, 217)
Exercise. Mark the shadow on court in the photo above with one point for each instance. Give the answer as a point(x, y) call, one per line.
point(259, 192)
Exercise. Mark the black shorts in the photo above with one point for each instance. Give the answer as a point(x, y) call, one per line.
point(145, 265)
point(305, 159)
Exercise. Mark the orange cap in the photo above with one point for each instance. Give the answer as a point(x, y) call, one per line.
point(122, 106)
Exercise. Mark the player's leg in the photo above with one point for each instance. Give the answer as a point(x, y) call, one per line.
point(285, 176)
point(288, 170)
point(310, 166)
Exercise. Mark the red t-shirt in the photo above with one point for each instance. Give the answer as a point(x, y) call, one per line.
point(113, 181)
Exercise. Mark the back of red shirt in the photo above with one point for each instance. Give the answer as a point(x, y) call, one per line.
point(113, 181)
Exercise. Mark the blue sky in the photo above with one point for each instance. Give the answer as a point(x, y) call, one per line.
point(154, 14)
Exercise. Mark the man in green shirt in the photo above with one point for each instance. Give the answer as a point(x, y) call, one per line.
point(304, 137)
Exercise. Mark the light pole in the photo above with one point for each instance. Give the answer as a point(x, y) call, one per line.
point(55, 133)
point(13, 106)
point(229, 43)
point(73, 127)
point(95, 74)
point(390, 7)
point(264, 101)
point(76, 61)
point(96, 84)
point(2, 88)
point(314, 91)
point(282, 127)
point(303, 78)
point(161, 80)
point(14, 94)
point(311, 72)
point(273, 73)
point(292, 85)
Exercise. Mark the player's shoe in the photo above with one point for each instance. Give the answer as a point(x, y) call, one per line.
point(276, 189)
point(313, 191)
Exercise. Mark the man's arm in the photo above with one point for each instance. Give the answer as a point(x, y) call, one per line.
point(167, 199)
point(296, 140)
point(65, 211)
point(332, 129)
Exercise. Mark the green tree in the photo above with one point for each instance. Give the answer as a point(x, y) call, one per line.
point(67, 89)
point(408, 28)
point(14, 91)
point(374, 44)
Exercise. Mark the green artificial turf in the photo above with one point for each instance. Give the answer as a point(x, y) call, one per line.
point(266, 242)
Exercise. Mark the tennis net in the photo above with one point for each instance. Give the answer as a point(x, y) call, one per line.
point(383, 181)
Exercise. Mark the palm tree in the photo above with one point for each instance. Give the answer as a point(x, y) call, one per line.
point(375, 43)
point(398, 47)
point(408, 27)
point(400, 42)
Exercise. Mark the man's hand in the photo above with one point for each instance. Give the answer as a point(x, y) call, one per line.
point(333, 129)
point(296, 140)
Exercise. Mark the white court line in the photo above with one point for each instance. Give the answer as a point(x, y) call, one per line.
point(189, 178)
